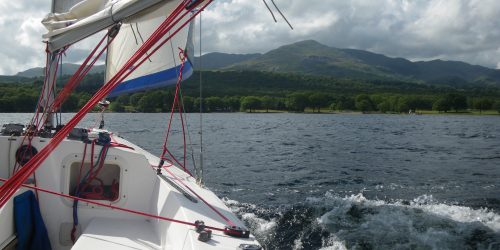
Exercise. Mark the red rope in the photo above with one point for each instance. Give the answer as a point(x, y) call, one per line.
point(177, 179)
point(176, 103)
point(36, 120)
point(114, 207)
point(93, 174)
point(176, 161)
point(199, 197)
point(81, 168)
point(80, 73)
point(8, 189)
point(179, 103)
point(10, 186)
point(119, 145)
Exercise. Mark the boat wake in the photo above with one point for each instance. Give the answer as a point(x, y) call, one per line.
point(354, 222)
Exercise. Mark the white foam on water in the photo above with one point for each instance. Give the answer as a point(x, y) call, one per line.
point(259, 225)
point(355, 222)
point(421, 222)
point(297, 244)
point(335, 246)
point(330, 243)
point(230, 202)
point(458, 213)
point(333, 243)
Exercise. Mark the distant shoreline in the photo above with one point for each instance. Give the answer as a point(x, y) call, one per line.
point(419, 112)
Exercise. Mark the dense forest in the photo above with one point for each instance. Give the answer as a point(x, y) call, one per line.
point(233, 91)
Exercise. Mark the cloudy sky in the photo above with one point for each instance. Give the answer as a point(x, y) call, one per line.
point(466, 30)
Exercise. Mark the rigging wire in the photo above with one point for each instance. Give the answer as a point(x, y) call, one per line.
point(201, 172)
point(191, 149)
point(270, 11)
point(176, 104)
point(142, 39)
point(59, 119)
point(133, 32)
point(183, 110)
point(279, 11)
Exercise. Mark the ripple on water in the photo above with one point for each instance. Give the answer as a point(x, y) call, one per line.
point(395, 158)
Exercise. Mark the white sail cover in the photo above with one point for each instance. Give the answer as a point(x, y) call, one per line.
point(66, 13)
point(88, 17)
point(163, 67)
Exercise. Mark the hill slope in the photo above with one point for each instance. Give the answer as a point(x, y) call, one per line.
point(67, 69)
point(209, 61)
point(216, 60)
point(311, 57)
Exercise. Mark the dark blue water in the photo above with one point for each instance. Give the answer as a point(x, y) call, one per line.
point(306, 181)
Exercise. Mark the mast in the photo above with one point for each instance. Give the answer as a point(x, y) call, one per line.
point(48, 94)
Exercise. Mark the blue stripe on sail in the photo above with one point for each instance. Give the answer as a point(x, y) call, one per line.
point(152, 81)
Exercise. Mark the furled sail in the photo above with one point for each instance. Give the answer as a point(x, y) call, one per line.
point(162, 68)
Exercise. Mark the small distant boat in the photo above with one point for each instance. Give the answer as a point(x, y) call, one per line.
point(413, 112)
point(87, 188)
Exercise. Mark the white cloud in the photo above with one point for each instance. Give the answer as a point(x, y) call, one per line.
point(426, 29)
point(21, 45)
point(464, 30)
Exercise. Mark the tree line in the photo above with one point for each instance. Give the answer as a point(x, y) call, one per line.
point(266, 91)
point(161, 101)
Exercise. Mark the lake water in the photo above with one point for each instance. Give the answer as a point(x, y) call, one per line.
point(307, 181)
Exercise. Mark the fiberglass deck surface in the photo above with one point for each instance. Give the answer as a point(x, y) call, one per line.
point(118, 234)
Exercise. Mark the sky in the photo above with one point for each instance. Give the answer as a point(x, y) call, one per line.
point(463, 30)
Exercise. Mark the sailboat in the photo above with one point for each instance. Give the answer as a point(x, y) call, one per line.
point(64, 187)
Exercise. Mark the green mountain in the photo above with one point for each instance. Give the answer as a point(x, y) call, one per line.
point(311, 57)
point(216, 60)
point(209, 61)
point(67, 69)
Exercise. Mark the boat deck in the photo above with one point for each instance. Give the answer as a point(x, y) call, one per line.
point(140, 189)
point(114, 234)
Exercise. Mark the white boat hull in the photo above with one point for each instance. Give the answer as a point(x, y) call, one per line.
point(140, 189)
